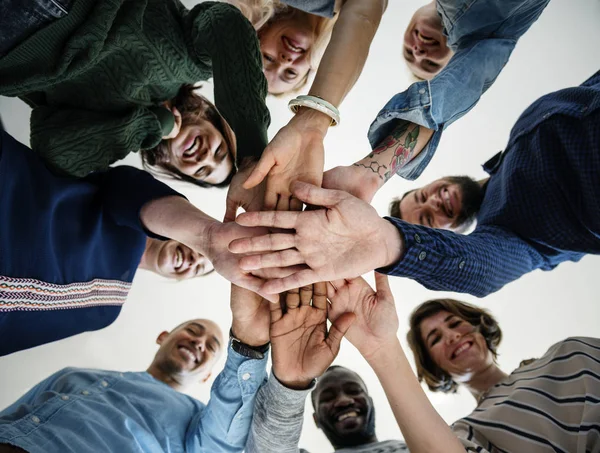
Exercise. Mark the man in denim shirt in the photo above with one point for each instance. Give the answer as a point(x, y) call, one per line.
point(464, 44)
point(77, 410)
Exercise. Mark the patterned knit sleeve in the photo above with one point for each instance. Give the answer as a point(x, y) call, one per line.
point(220, 32)
point(77, 142)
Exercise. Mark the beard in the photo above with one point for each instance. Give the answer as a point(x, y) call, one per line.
point(355, 438)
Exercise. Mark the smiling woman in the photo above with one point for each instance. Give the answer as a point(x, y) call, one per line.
point(203, 151)
point(292, 40)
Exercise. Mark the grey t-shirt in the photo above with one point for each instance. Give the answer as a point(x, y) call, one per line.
point(277, 423)
point(319, 7)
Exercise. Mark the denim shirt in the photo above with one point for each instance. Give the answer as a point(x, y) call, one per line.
point(84, 410)
point(482, 33)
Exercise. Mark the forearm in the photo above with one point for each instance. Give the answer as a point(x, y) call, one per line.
point(347, 51)
point(277, 419)
point(176, 218)
point(403, 144)
point(422, 427)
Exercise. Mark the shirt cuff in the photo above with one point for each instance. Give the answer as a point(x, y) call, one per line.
point(251, 373)
point(280, 396)
point(420, 257)
point(414, 106)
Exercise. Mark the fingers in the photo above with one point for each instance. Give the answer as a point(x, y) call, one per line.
point(319, 295)
point(337, 331)
point(293, 298)
point(261, 170)
point(283, 203)
point(276, 309)
point(256, 284)
point(306, 294)
point(315, 195)
point(277, 272)
point(382, 286)
point(278, 219)
point(267, 243)
point(230, 210)
point(271, 199)
point(289, 257)
point(295, 204)
point(295, 280)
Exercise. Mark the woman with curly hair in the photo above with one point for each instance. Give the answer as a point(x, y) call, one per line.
point(107, 78)
point(547, 404)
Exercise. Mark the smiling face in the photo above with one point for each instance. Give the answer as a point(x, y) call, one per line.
point(189, 351)
point(172, 259)
point(437, 205)
point(286, 45)
point(425, 46)
point(455, 345)
point(201, 152)
point(343, 408)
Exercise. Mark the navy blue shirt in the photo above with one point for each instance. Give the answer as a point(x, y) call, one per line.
point(69, 248)
point(541, 206)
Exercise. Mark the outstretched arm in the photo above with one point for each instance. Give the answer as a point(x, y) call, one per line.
point(364, 178)
point(374, 335)
point(296, 153)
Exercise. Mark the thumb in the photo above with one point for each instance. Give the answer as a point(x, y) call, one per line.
point(338, 329)
point(230, 210)
point(260, 171)
point(315, 195)
point(382, 286)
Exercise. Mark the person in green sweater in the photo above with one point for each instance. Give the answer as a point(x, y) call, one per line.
point(108, 78)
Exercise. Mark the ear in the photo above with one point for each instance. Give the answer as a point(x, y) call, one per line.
point(161, 337)
point(316, 420)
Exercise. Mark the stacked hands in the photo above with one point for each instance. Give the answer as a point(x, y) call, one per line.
point(308, 262)
point(303, 346)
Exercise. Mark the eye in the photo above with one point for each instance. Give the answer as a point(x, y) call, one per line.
point(353, 390)
point(429, 222)
point(268, 58)
point(202, 172)
point(423, 198)
point(435, 340)
point(190, 330)
point(454, 324)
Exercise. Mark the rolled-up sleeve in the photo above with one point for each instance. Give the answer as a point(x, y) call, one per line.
point(479, 263)
point(225, 422)
point(438, 103)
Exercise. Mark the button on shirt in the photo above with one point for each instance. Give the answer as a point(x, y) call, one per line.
point(483, 34)
point(541, 205)
point(82, 410)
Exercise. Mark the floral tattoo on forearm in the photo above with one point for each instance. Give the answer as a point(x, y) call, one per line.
point(403, 151)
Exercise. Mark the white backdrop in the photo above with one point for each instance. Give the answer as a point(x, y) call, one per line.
point(560, 50)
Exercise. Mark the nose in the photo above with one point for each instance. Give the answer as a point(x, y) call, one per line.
point(418, 52)
point(285, 57)
point(343, 400)
point(434, 201)
point(452, 337)
point(200, 343)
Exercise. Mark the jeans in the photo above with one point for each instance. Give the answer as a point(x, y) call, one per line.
point(19, 19)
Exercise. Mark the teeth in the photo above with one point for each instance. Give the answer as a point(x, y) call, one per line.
point(291, 46)
point(179, 261)
point(461, 349)
point(191, 357)
point(191, 150)
point(347, 415)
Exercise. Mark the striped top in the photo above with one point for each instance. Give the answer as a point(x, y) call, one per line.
point(550, 405)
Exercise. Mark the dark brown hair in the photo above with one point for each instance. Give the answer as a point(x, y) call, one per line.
point(427, 370)
point(192, 107)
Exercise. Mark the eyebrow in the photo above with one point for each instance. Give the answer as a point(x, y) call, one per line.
point(435, 330)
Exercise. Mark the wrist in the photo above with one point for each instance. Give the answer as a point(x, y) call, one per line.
point(249, 335)
point(294, 383)
point(370, 174)
point(393, 244)
point(384, 354)
point(311, 121)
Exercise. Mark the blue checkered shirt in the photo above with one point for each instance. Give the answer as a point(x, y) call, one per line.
point(541, 205)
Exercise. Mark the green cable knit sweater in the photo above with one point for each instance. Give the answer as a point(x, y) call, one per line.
point(97, 77)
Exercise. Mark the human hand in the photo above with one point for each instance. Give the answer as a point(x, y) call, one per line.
point(296, 153)
point(176, 125)
point(250, 316)
point(376, 322)
point(227, 263)
point(358, 181)
point(238, 196)
point(345, 240)
point(301, 346)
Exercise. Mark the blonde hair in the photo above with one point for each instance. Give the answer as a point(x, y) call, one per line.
point(262, 12)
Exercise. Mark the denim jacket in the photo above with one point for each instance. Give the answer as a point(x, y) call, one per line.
point(482, 33)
